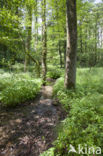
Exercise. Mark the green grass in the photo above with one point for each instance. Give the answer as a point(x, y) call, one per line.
point(84, 123)
point(17, 88)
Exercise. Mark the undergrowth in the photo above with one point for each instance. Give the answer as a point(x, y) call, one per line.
point(84, 122)
point(17, 88)
point(54, 72)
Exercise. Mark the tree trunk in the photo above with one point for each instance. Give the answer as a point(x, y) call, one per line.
point(70, 73)
point(44, 50)
point(64, 53)
point(36, 25)
point(25, 63)
point(81, 40)
point(60, 54)
point(96, 35)
point(29, 37)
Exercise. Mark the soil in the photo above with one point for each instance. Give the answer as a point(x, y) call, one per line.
point(30, 128)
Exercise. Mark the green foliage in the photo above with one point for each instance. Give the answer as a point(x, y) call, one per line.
point(89, 81)
point(19, 67)
point(54, 72)
point(89, 23)
point(16, 89)
point(83, 126)
point(84, 105)
point(16, 36)
point(50, 152)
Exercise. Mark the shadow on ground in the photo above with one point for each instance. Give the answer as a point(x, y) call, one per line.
point(30, 129)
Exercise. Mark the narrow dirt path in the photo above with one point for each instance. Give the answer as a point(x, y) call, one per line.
point(29, 129)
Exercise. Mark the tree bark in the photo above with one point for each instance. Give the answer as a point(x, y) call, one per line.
point(36, 25)
point(96, 35)
point(44, 51)
point(70, 69)
point(29, 37)
point(60, 54)
point(65, 47)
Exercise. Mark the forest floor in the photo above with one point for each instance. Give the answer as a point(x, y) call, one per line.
point(30, 128)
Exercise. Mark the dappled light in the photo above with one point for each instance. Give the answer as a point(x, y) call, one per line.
point(51, 77)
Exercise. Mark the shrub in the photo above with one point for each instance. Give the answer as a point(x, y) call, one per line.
point(17, 88)
point(82, 126)
point(54, 72)
point(19, 92)
point(5, 80)
point(50, 152)
point(19, 67)
point(84, 105)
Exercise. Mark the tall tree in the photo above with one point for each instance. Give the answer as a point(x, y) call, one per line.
point(70, 73)
point(29, 32)
point(36, 25)
point(44, 37)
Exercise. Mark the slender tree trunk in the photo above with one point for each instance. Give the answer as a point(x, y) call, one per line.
point(96, 35)
point(70, 73)
point(36, 25)
point(29, 37)
point(101, 38)
point(60, 54)
point(64, 53)
point(25, 63)
point(81, 41)
point(44, 50)
point(26, 57)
